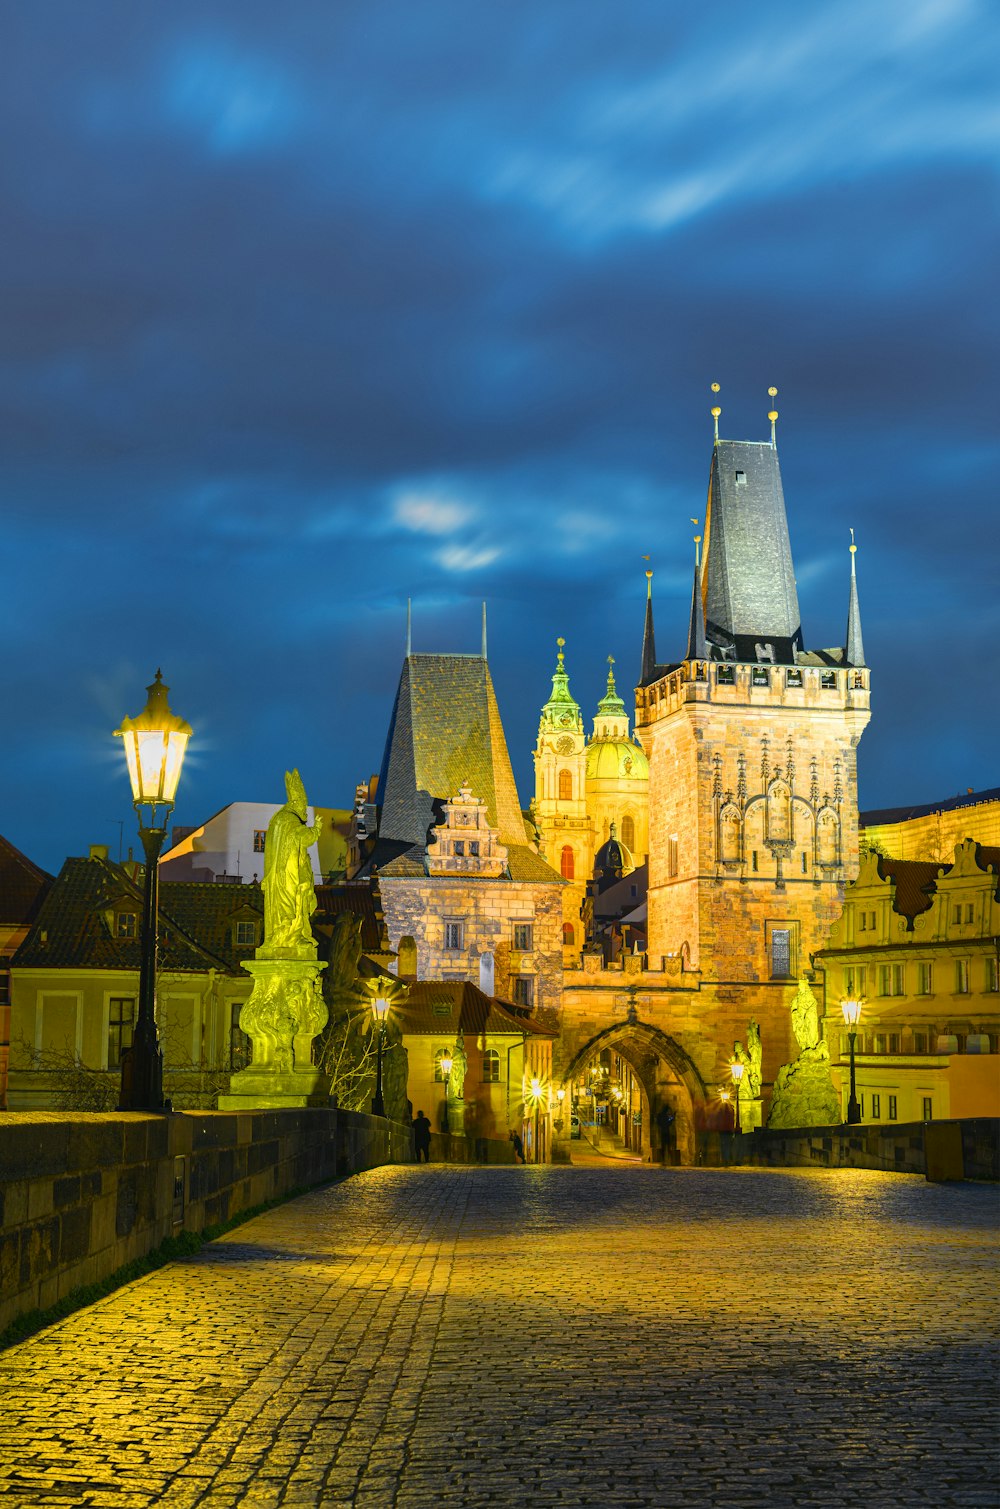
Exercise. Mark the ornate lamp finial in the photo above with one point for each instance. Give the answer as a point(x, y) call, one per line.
point(773, 414)
point(716, 411)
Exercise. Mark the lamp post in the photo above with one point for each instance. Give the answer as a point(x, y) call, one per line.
point(725, 1096)
point(446, 1063)
point(155, 743)
point(736, 1070)
point(560, 1097)
point(380, 1009)
point(852, 1015)
point(536, 1095)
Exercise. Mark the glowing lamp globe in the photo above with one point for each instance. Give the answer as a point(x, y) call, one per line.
point(380, 1006)
point(446, 1064)
point(155, 744)
point(736, 1070)
point(852, 1012)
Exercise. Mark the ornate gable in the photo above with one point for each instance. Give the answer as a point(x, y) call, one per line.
point(465, 844)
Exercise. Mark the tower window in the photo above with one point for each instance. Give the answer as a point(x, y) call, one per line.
point(569, 937)
point(628, 832)
point(565, 786)
point(741, 479)
point(672, 864)
point(566, 862)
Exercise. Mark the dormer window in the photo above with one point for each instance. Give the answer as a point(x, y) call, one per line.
point(246, 934)
point(741, 479)
point(125, 924)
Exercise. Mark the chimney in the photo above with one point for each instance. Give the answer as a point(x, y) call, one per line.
point(98, 851)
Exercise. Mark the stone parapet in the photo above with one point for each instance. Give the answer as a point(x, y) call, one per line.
point(899, 1149)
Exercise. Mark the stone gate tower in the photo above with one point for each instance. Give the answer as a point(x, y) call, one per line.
point(752, 744)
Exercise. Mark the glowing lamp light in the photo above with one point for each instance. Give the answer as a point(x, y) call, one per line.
point(852, 1012)
point(380, 1006)
point(560, 1096)
point(725, 1096)
point(536, 1087)
point(155, 744)
point(736, 1070)
point(446, 1063)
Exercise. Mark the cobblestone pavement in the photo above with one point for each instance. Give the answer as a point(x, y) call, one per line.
point(548, 1336)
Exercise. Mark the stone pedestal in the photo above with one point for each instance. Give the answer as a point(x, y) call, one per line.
point(803, 1094)
point(284, 1014)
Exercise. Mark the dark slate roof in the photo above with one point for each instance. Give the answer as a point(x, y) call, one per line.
point(22, 885)
point(523, 864)
point(445, 1007)
point(915, 882)
point(445, 731)
point(748, 577)
point(882, 816)
point(75, 925)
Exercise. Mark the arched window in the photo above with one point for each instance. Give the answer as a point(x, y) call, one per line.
point(491, 1067)
point(566, 862)
point(569, 936)
point(565, 786)
point(628, 832)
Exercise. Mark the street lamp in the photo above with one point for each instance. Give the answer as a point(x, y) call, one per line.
point(536, 1096)
point(446, 1063)
point(380, 1009)
point(852, 1015)
point(155, 743)
point(736, 1070)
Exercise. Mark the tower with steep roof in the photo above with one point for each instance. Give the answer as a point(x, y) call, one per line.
point(565, 833)
point(752, 743)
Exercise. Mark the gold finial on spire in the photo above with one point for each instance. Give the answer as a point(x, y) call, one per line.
point(716, 411)
point(649, 579)
point(772, 393)
point(559, 653)
point(854, 550)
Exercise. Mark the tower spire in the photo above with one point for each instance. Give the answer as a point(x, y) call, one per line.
point(409, 628)
point(648, 672)
point(854, 650)
point(484, 631)
point(716, 411)
point(697, 646)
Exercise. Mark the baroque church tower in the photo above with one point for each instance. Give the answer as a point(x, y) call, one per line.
point(752, 743)
point(565, 834)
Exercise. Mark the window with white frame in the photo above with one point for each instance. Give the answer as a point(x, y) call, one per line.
point(962, 977)
point(121, 1021)
point(259, 835)
point(925, 979)
point(491, 1067)
point(125, 924)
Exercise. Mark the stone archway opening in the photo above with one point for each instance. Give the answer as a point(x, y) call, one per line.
point(662, 1095)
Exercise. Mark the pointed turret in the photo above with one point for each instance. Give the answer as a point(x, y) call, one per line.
point(697, 646)
point(854, 650)
point(562, 710)
point(612, 719)
point(648, 672)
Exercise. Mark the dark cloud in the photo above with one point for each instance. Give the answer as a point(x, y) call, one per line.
point(301, 317)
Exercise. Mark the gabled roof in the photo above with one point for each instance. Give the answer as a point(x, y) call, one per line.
point(445, 731)
point(443, 1008)
point(22, 885)
point(75, 926)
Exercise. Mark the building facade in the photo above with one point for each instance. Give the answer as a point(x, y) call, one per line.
point(919, 943)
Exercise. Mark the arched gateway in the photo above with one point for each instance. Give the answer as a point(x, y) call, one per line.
point(666, 1075)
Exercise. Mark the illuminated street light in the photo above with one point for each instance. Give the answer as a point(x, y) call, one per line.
point(380, 1010)
point(852, 1016)
point(736, 1070)
point(155, 744)
point(535, 1095)
point(446, 1063)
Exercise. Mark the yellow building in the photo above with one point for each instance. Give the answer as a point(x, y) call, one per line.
point(933, 830)
point(587, 791)
point(919, 941)
point(495, 1051)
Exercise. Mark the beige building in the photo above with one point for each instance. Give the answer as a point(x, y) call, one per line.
point(75, 985)
point(933, 830)
point(919, 942)
point(463, 891)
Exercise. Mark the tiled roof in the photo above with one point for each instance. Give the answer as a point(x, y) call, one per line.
point(445, 731)
point(75, 927)
point(361, 901)
point(914, 881)
point(749, 580)
point(882, 816)
point(444, 1007)
point(22, 885)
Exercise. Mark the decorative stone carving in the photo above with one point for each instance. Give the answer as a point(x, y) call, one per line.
point(465, 844)
point(805, 1017)
point(803, 1094)
point(289, 893)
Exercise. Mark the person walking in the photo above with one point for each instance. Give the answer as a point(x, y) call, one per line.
point(518, 1146)
point(422, 1137)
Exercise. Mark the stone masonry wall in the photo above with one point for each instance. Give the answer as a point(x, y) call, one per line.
point(82, 1195)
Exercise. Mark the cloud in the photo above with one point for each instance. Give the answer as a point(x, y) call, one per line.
point(426, 514)
point(467, 558)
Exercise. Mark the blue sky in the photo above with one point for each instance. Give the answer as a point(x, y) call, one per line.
point(307, 310)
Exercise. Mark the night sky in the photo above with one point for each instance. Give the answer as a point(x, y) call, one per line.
point(310, 308)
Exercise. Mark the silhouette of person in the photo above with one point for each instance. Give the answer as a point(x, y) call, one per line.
point(422, 1137)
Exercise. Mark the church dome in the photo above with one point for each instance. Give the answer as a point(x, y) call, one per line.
point(612, 858)
point(616, 759)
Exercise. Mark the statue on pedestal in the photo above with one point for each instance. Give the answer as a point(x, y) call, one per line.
point(456, 1086)
point(286, 1010)
point(803, 1094)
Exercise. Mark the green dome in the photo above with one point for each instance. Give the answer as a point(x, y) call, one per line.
point(616, 759)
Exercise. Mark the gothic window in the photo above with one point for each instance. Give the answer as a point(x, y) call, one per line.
point(566, 862)
point(565, 786)
point(781, 952)
point(628, 832)
point(569, 936)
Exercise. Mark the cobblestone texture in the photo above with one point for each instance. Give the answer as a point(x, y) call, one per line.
point(553, 1336)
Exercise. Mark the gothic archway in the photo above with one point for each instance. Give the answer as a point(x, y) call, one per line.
point(666, 1074)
